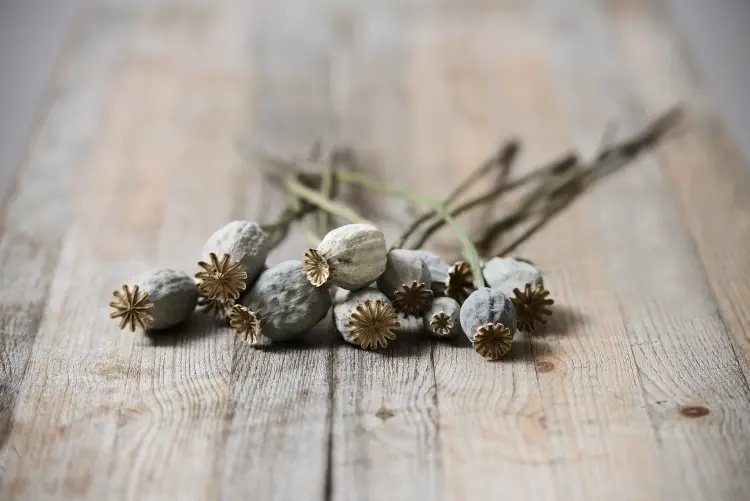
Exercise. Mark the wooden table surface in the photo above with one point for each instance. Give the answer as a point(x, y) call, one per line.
point(638, 389)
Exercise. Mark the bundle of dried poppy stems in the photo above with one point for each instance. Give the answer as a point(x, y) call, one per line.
point(374, 291)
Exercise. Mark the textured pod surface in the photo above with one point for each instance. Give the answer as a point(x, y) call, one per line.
point(355, 255)
point(507, 273)
point(438, 267)
point(403, 267)
point(245, 242)
point(338, 294)
point(359, 321)
point(460, 282)
point(487, 306)
point(287, 304)
point(409, 325)
point(173, 294)
point(443, 318)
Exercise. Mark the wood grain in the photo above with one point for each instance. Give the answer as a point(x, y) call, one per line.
point(638, 388)
point(384, 404)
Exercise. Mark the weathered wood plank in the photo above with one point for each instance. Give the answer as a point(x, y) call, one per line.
point(101, 413)
point(709, 189)
point(39, 214)
point(709, 176)
point(131, 412)
point(143, 125)
point(462, 76)
point(679, 344)
point(277, 435)
point(383, 424)
point(553, 438)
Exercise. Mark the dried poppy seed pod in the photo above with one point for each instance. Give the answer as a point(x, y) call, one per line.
point(406, 281)
point(337, 294)
point(532, 306)
point(244, 242)
point(350, 257)
point(443, 318)
point(488, 318)
point(158, 299)
point(507, 274)
point(286, 303)
point(245, 323)
point(439, 269)
point(408, 325)
point(366, 319)
point(460, 282)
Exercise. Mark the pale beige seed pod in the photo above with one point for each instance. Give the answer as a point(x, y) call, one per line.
point(507, 274)
point(245, 243)
point(156, 299)
point(366, 319)
point(442, 320)
point(406, 281)
point(351, 257)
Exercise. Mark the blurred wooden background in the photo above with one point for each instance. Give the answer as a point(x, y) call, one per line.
point(637, 390)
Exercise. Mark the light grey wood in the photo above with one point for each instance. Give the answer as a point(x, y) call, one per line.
point(37, 220)
point(142, 151)
point(463, 77)
point(32, 34)
point(648, 291)
point(717, 37)
point(384, 430)
point(278, 423)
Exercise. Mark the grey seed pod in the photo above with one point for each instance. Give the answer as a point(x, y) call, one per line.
point(443, 318)
point(350, 257)
point(337, 294)
point(173, 294)
point(245, 242)
point(507, 273)
point(406, 282)
point(366, 319)
point(488, 319)
point(403, 267)
point(287, 304)
point(409, 325)
point(438, 267)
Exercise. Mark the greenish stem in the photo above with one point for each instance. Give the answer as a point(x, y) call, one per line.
point(504, 157)
point(317, 199)
point(469, 250)
point(556, 167)
point(311, 237)
point(326, 189)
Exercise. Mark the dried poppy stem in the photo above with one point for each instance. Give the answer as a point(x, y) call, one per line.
point(317, 199)
point(524, 210)
point(279, 229)
point(469, 250)
point(309, 234)
point(503, 158)
point(569, 187)
point(553, 168)
point(326, 189)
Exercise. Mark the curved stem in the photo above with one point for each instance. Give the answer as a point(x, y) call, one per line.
point(557, 166)
point(311, 237)
point(326, 188)
point(504, 158)
point(469, 250)
point(315, 198)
